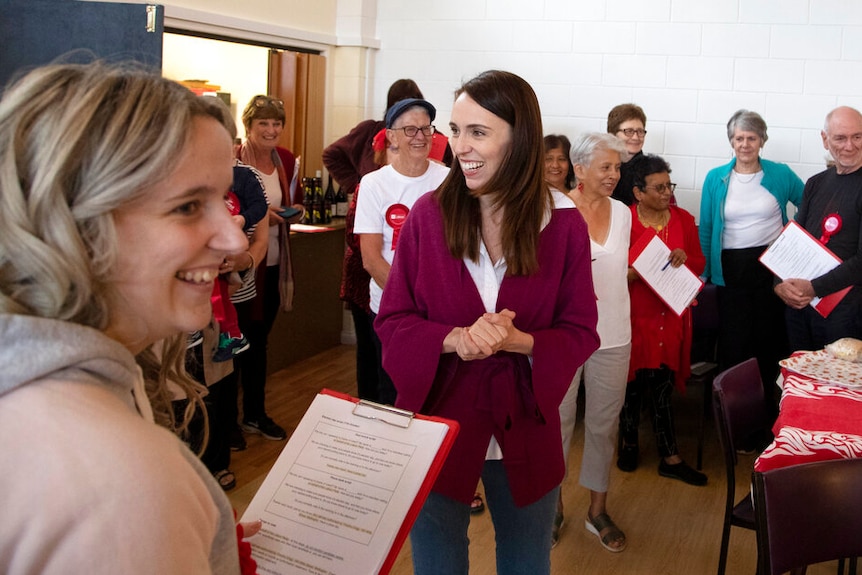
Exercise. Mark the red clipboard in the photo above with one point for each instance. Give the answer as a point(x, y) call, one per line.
point(637, 249)
point(424, 489)
point(311, 501)
point(827, 303)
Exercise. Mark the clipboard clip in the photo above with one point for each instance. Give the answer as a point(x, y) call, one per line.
point(385, 413)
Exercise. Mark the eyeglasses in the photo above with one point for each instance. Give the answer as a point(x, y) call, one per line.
point(629, 132)
point(411, 131)
point(661, 188)
point(264, 101)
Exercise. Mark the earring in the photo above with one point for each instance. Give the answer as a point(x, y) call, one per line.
point(580, 186)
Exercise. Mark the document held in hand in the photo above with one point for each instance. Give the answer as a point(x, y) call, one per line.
point(677, 287)
point(345, 491)
point(795, 253)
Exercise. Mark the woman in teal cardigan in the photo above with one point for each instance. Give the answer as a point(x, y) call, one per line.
point(743, 208)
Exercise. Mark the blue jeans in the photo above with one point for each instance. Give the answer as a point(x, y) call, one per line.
point(523, 534)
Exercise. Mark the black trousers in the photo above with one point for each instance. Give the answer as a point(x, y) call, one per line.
point(657, 386)
point(752, 317)
point(385, 388)
point(250, 365)
point(808, 330)
point(220, 403)
point(367, 360)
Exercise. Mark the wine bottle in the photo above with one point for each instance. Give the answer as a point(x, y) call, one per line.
point(308, 201)
point(341, 203)
point(319, 214)
point(329, 201)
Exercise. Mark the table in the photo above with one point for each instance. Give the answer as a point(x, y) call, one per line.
point(817, 421)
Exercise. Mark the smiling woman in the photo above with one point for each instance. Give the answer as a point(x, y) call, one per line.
point(112, 226)
point(496, 348)
point(742, 210)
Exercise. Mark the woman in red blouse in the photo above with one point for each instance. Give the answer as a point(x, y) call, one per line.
point(661, 340)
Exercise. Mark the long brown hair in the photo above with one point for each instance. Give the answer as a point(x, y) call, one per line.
point(519, 185)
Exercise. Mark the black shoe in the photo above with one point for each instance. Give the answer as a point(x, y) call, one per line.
point(237, 441)
point(266, 427)
point(628, 458)
point(682, 472)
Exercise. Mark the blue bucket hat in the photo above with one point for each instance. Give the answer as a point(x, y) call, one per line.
point(402, 106)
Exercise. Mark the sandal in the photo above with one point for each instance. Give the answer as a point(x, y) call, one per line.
point(226, 479)
point(602, 522)
point(477, 505)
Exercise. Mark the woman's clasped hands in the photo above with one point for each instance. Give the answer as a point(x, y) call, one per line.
point(490, 333)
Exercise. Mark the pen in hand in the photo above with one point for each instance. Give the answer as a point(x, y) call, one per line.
point(664, 267)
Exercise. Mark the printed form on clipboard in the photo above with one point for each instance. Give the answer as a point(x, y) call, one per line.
point(346, 489)
point(677, 287)
point(795, 253)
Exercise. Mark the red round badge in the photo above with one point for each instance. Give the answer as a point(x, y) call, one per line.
point(395, 216)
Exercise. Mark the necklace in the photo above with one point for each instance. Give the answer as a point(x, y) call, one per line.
point(747, 180)
point(659, 225)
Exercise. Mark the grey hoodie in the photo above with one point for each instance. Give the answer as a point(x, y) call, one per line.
point(47, 354)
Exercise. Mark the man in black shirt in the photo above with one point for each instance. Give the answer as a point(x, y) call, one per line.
point(832, 211)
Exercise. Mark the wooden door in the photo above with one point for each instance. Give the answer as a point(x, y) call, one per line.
point(300, 80)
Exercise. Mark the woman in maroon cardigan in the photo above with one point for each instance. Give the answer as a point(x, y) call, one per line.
point(488, 312)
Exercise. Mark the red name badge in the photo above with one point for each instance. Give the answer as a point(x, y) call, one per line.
point(395, 216)
point(830, 226)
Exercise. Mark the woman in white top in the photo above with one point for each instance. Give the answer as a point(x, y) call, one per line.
point(743, 208)
point(597, 158)
point(386, 197)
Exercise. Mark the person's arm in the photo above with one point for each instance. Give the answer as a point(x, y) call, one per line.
point(343, 157)
point(695, 260)
point(248, 188)
point(705, 224)
point(371, 247)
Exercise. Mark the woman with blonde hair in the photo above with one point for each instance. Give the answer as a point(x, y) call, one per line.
point(264, 119)
point(112, 230)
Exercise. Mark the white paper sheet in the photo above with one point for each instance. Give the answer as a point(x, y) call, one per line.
point(340, 490)
point(676, 286)
point(796, 254)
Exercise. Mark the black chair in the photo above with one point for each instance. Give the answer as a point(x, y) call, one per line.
point(704, 354)
point(741, 412)
point(808, 514)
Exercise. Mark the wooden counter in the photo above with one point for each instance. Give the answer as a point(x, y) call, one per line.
point(315, 323)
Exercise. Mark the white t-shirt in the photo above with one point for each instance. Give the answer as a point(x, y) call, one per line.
point(751, 214)
point(610, 270)
point(379, 191)
point(272, 189)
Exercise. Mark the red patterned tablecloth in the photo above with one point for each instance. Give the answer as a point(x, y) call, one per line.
point(818, 420)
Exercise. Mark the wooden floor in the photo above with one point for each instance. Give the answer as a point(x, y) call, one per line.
point(672, 528)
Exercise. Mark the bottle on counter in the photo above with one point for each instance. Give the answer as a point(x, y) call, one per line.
point(308, 200)
point(341, 203)
point(329, 202)
point(319, 207)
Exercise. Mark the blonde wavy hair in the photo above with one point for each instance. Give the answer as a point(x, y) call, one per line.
point(76, 143)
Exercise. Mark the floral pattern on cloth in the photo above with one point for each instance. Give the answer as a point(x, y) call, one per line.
point(823, 366)
point(819, 420)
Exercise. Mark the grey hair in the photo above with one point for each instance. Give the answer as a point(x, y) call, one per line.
point(747, 121)
point(76, 143)
point(587, 144)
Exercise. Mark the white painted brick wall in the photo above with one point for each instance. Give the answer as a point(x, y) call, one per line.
point(689, 63)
